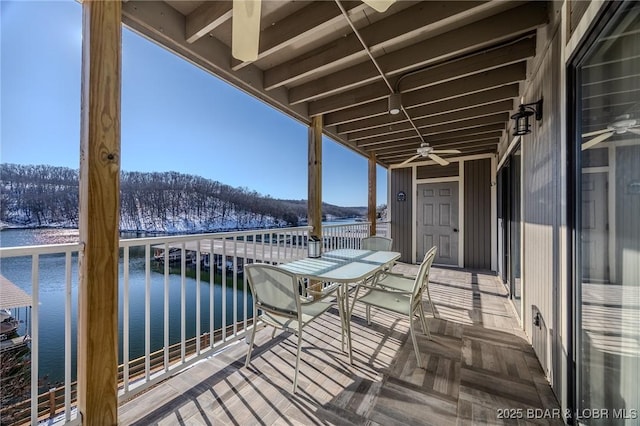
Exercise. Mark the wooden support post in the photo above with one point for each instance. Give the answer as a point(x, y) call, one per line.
point(99, 212)
point(372, 193)
point(314, 207)
point(52, 402)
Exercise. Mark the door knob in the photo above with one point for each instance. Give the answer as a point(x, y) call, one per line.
point(455, 229)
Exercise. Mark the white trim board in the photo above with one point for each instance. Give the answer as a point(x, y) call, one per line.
point(506, 154)
point(414, 213)
point(494, 214)
point(461, 214)
point(439, 180)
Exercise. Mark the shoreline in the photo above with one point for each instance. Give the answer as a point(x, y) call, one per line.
point(4, 226)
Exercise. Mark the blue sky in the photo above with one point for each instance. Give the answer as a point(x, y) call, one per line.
point(174, 115)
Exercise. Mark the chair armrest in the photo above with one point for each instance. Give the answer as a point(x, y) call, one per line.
point(377, 288)
point(396, 274)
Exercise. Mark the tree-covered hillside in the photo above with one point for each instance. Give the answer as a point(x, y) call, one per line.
point(45, 195)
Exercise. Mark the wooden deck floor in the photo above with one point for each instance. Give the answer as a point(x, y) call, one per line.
point(478, 364)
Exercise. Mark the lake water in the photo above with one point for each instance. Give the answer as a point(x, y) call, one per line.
point(52, 300)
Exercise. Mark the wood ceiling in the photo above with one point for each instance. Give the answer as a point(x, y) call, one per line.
point(458, 65)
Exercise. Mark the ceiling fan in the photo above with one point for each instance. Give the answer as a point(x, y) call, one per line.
point(424, 150)
point(623, 125)
point(245, 26)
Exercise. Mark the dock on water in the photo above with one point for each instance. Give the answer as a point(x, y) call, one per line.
point(247, 250)
point(11, 297)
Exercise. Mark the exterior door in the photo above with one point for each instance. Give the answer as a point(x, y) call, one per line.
point(438, 221)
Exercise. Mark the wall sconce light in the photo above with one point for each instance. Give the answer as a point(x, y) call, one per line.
point(522, 117)
point(395, 103)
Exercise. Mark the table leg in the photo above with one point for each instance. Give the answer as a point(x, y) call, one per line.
point(344, 300)
point(342, 316)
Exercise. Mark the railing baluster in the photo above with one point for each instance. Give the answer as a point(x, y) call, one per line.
point(35, 338)
point(223, 274)
point(271, 259)
point(211, 293)
point(67, 337)
point(147, 310)
point(198, 328)
point(183, 303)
point(166, 307)
point(125, 321)
point(235, 286)
point(244, 278)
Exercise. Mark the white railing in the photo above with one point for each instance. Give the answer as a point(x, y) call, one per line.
point(344, 236)
point(222, 257)
point(173, 270)
point(35, 254)
point(383, 228)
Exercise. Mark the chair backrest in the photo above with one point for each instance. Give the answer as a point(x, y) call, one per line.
point(274, 289)
point(422, 279)
point(430, 253)
point(376, 243)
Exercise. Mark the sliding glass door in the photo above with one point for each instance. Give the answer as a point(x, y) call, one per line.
point(607, 217)
point(510, 211)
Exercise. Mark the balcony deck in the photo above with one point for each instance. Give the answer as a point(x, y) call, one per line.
point(478, 364)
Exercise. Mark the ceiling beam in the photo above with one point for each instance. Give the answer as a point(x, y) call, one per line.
point(205, 18)
point(495, 29)
point(482, 139)
point(461, 87)
point(453, 117)
point(415, 142)
point(451, 70)
point(500, 118)
point(445, 134)
point(481, 149)
point(394, 28)
point(401, 156)
point(316, 16)
point(450, 157)
point(486, 97)
point(388, 153)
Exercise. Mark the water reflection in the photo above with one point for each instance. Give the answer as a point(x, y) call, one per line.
point(53, 293)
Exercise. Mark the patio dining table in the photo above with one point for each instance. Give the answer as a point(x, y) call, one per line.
point(341, 268)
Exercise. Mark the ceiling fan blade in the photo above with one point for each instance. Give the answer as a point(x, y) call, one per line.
point(245, 29)
point(379, 5)
point(438, 159)
point(597, 132)
point(595, 141)
point(408, 160)
point(634, 130)
point(446, 151)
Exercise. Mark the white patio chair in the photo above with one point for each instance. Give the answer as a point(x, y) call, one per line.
point(376, 243)
point(401, 282)
point(407, 303)
point(276, 293)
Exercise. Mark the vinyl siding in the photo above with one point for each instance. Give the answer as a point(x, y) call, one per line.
point(401, 212)
point(437, 171)
point(541, 201)
point(477, 218)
